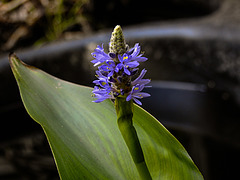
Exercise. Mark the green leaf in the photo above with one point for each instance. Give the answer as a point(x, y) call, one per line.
point(84, 136)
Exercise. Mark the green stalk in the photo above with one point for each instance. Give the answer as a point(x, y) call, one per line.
point(124, 111)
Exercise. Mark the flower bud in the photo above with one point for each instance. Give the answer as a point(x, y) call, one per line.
point(117, 43)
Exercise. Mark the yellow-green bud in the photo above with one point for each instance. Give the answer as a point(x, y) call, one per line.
point(117, 43)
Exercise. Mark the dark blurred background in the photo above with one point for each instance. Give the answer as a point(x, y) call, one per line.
point(25, 23)
point(193, 48)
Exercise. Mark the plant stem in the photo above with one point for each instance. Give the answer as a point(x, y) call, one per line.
point(124, 111)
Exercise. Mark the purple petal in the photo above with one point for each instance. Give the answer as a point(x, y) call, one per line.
point(129, 97)
point(120, 58)
point(100, 98)
point(96, 62)
point(127, 71)
point(96, 82)
point(141, 87)
point(103, 92)
point(110, 63)
point(103, 83)
point(100, 75)
point(137, 101)
point(99, 55)
point(118, 67)
point(105, 67)
point(141, 95)
point(144, 81)
point(136, 50)
point(132, 64)
point(143, 72)
point(140, 59)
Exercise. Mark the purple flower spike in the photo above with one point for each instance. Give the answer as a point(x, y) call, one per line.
point(116, 70)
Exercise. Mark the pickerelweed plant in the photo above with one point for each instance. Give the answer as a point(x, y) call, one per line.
point(115, 81)
point(99, 140)
point(116, 70)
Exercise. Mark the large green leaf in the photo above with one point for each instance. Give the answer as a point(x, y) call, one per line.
point(84, 136)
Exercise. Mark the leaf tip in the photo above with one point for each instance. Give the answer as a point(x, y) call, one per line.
point(16, 62)
point(13, 59)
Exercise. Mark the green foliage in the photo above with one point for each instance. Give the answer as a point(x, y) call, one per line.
point(84, 136)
